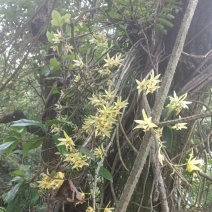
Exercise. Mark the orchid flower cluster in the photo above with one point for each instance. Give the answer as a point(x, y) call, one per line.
point(105, 118)
point(100, 41)
point(73, 156)
point(48, 182)
point(149, 85)
point(176, 104)
point(106, 209)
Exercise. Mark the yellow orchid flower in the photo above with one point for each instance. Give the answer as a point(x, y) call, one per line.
point(48, 182)
point(99, 152)
point(141, 85)
point(79, 63)
point(179, 126)
point(146, 124)
point(152, 83)
point(67, 141)
point(112, 61)
point(119, 104)
point(191, 164)
point(89, 209)
point(57, 37)
point(154, 79)
point(76, 159)
point(177, 103)
point(149, 85)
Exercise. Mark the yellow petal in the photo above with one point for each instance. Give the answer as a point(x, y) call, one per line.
point(66, 136)
point(144, 115)
point(191, 167)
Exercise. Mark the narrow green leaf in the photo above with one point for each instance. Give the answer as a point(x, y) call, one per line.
point(168, 137)
point(26, 122)
point(87, 152)
point(15, 205)
point(33, 196)
point(169, 16)
point(12, 147)
point(105, 174)
point(12, 193)
point(165, 22)
point(17, 173)
point(161, 28)
point(31, 145)
point(6, 145)
point(49, 123)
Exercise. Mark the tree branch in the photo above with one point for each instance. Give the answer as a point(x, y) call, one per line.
point(185, 119)
point(206, 176)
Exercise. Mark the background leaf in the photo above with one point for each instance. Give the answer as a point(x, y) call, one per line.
point(27, 122)
point(105, 174)
point(87, 152)
point(12, 193)
point(31, 145)
point(56, 18)
point(6, 145)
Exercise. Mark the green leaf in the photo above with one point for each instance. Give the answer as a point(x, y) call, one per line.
point(87, 152)
point(62, 150)
point(56, 19)
point(165, 22)
point(71, 67)
point(26, 122)
point(50, 36)
point(31, 145)
point(105, 174)
point(169, 16)
point(12, 193)
point(121, 26)
point(14, 205)
point(33, 196)
point(6, 145)
point(60, 48)
point(17, 173)
point(49, 123)
point(19, 130)
point(54, 63)
point(67, 18)
point(168, 137)
point(161, 28)
point(55, 90)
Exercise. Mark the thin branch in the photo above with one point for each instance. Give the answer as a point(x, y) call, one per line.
point(185, 119)
point(119, 150)
point(126, 137)
point(206, 176)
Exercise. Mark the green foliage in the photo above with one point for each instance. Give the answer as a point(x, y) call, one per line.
point(26, 122)
point(70, 85)
point(168, 138)
point(105, 174)
point(58, 20)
